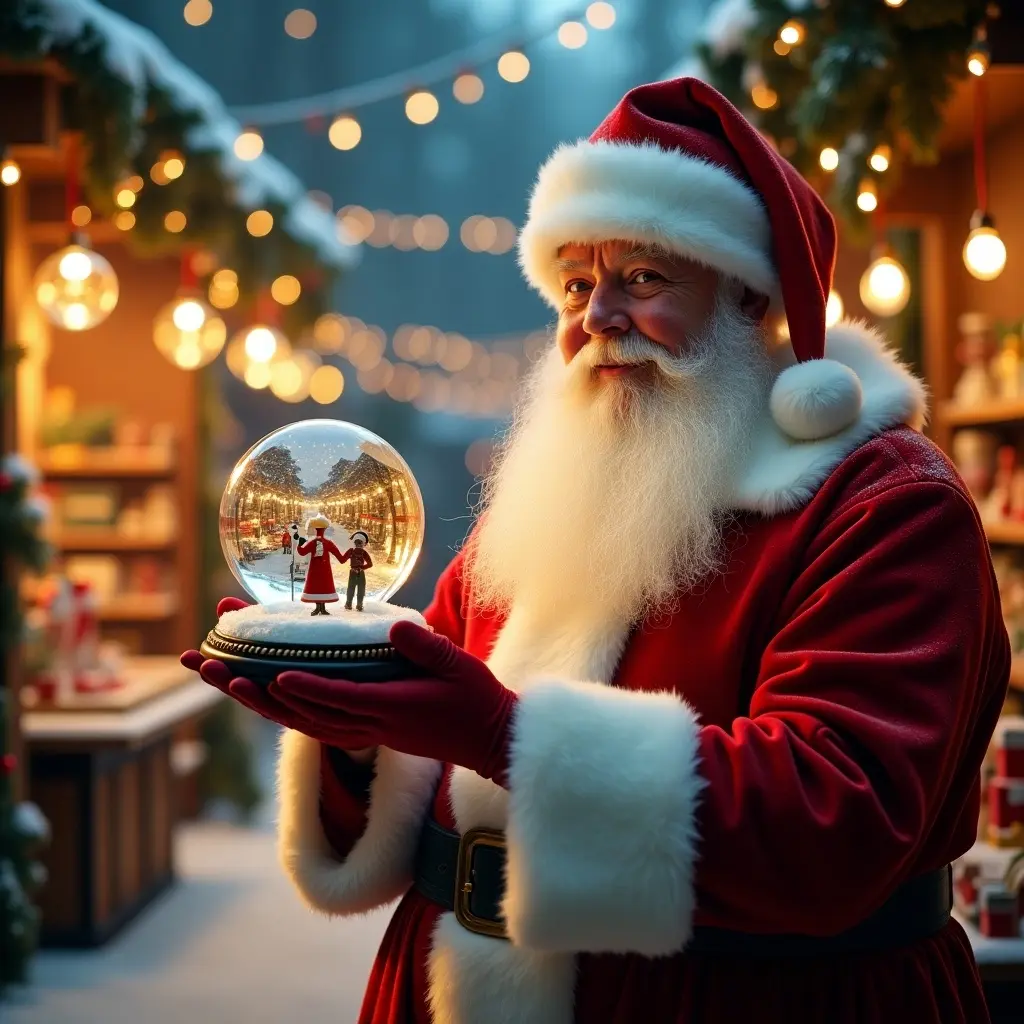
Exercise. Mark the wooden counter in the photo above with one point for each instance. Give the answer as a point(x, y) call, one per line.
point(103, 773)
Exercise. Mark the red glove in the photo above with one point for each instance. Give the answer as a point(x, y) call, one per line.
point(455, 711)
point(245, 691)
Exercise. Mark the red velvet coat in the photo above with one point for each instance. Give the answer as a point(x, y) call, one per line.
point(799, 739)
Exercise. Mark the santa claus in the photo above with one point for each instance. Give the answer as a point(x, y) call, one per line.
point(716, 770)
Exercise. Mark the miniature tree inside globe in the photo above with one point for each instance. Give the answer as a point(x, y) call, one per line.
point(317, 512)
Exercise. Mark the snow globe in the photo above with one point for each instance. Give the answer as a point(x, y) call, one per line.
point(321, 522)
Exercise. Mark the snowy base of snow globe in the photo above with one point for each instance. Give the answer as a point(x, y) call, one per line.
point(262, 641)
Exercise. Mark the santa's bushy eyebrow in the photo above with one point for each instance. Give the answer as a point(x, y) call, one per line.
point(635, 253)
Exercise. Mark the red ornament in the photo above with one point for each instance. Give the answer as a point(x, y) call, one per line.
point(7, 764)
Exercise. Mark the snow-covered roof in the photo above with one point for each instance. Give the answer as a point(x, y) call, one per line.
point(139, 59)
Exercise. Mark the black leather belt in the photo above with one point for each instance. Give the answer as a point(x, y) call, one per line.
point(466, 874)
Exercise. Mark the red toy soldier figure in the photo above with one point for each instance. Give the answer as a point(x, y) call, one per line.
point(319, 587)
point(359, 558)
point(286, 542)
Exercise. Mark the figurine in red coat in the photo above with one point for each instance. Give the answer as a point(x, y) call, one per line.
point(286, 542)
point(698, 731)
point(319, 588)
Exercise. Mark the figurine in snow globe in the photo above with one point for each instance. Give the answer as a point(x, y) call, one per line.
point(341, 480)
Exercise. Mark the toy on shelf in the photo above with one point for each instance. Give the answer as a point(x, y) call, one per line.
point(974, 452)
point(975, 385)
point(998, 915)
point(996, 507)
point(1007, 368)
point(1006, 786)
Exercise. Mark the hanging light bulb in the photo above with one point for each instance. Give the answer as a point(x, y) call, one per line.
point(984, 251)
point(188, 332)
point(880, 158)
point(10, 172)
point(248, 144)
point(253, 351)
point(792, 33)
point(895, 3)
point(978, 58)
point(867, 196)
point(76, 288)
point(885, 286)
point(834, 308)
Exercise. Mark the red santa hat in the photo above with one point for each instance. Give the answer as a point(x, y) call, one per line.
point(677, 165)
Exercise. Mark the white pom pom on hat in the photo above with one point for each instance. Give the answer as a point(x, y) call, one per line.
point(816, 399)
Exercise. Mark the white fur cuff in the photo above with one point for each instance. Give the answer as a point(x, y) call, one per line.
point(603, 788)
point(379, 867)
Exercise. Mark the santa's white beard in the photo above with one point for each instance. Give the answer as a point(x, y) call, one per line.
point(612, 494)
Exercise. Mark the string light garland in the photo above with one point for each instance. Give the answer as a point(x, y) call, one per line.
point(984, 252)
point(248, 145)
point(382, 228)
point(198, 12)
point(513, 65)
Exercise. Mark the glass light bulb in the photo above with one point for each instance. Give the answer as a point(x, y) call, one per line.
point(75, 266)
point(260, 345)
point(76, 288)
point(188, 315)
point(188, 333)
point(885, 287)
point(984, 253)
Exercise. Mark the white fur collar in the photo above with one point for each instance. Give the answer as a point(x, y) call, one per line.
point(829, 407)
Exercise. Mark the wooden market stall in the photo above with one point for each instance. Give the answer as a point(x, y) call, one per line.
point(107, 143)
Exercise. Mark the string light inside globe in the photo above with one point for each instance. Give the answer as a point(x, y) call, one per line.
point(76, 288)
point(984, 251)
point(885, 287)
point(188, 333)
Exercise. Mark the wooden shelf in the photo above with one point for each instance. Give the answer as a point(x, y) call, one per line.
point(1008, 532)
point(1017, 672)
point(108, 540)
point(139, 608)
point(1002, 411)
point(107, 462)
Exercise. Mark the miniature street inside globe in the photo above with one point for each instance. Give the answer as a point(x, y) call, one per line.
point(347, 480)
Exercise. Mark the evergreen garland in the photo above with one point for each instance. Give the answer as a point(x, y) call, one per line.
point(23, 829)
point(865, 75)
point(122, 140)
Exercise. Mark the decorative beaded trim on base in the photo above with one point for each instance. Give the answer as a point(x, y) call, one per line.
point(248, 649)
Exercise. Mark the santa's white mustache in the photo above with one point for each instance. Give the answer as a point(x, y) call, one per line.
point(638, 350)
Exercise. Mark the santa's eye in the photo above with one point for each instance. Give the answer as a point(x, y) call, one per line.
point(645, 277)
point(576, 287)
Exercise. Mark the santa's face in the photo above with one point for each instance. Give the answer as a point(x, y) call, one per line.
point(617, 292)
point(631, 473)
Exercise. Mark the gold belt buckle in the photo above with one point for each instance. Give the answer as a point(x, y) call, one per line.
point(470, 840)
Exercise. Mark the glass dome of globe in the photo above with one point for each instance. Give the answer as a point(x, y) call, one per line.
point(188, 332)
point(337, 469)
point(76, 288)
